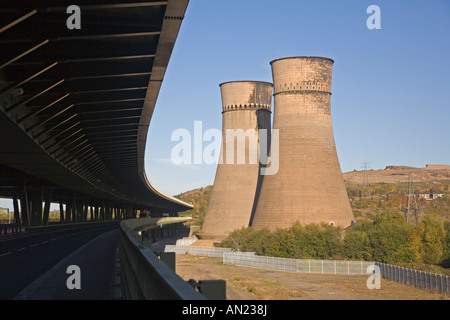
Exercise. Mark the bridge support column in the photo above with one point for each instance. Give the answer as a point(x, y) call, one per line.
point(85, 211)
point(48, 201)
point(107, 212)
point(79, 211)
point(25, 208)
point(36, 207)
point(61, 211)
point(69, 209)
point(16, 210)
point(128, 212)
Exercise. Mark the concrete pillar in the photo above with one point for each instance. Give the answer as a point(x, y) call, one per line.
point(80, 210)
point(85, 211)
point(74, 210)
point(61, 211)
point(308, 187)
point(109, 212)
point(16, 211)
point(102, 212)
point(48, 200)
point(36, 207)
point(246, 112)
point(68, 215)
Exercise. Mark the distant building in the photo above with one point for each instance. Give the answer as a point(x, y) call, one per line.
point(430, 195)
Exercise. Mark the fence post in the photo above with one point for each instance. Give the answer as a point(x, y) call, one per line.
point(434, 282)
point(448, 289)
point(415, 279)
point(391, 272)
point(408, 276)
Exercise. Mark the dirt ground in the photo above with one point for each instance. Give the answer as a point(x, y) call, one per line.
point(245, 283)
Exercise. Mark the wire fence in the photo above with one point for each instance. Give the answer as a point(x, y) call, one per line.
point(415, 278)
point(297, 265)
point(249, 259)
point(263, 262)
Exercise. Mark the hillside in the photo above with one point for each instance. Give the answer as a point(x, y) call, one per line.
point(432, 173)
point(387, 190)
point(199, 199)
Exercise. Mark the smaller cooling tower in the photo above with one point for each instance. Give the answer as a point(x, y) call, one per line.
point(246, 110)
point(308, 187)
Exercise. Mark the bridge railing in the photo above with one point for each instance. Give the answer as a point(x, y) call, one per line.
point(145, 277)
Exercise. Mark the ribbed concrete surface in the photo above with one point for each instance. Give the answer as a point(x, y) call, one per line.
point(309, 186)
point(246, 105)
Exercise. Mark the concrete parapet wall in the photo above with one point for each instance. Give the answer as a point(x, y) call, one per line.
point(145, 277)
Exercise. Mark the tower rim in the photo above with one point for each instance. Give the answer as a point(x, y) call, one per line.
point(248, 81)
point(298, 57)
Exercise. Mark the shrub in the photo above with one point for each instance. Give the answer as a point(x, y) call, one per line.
point(387, 239)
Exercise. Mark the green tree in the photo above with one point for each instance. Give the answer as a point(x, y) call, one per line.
point(388, 237)
point(446, 256)
point(434, 236)
point(357, 245)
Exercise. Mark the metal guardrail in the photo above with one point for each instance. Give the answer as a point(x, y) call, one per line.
point(145, 277)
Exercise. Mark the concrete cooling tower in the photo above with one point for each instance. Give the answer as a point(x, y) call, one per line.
point(246, 110)
point(308, 187)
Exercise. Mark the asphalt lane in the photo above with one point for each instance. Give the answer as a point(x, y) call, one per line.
point(25, 259)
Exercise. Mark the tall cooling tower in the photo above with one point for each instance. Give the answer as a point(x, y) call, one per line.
point(246, 110)
point(308, 187)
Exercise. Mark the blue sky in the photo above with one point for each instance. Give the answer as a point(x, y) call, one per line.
point(390, 103)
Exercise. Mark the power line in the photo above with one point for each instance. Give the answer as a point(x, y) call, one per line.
point(412, 204)
point(366, 188)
